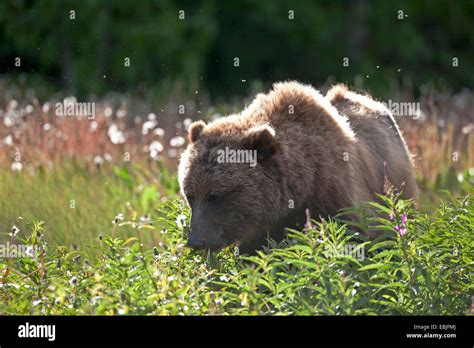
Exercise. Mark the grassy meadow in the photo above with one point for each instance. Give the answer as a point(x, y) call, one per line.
point(97, 200)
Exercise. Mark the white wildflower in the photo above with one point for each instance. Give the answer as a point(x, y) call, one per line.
point(108, 157)
point(13, 104)
point(93, 126)
point(8, 140)
point(155, 148)
point(145, 219)
point(98, 160)
point(147, 126)
point(116, 136)
point(108, 111)
point(177, 141)
point(181, 220)
point(14, 231)
point(160, 132)
point(17, 166)
point(73, 281)
point(46, 107)
point(8, 120)
point(118, 218)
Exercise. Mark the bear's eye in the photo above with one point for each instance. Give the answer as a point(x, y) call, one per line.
point(213, 197)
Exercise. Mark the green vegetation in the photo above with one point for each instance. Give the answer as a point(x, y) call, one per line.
point(427, 269)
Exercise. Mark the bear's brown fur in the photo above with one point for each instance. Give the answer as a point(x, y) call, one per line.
point(313, 152)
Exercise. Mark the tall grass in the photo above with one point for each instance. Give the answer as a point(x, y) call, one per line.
point(75, 204)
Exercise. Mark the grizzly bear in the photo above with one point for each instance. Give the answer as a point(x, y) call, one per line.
point(248, 176)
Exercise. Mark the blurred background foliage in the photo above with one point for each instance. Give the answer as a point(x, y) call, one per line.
point(85, 55)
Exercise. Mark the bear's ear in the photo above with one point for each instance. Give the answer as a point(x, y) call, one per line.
point(262, 139)
point(194, 130)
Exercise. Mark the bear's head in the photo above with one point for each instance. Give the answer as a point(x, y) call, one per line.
point(229, 175)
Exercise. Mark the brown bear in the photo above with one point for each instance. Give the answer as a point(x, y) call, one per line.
point(248, 176)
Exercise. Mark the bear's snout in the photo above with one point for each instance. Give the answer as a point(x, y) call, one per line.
point(196, 243)
point(211, 242)
point(204, 235)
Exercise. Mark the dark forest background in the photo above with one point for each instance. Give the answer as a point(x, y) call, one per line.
point(85, 55)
